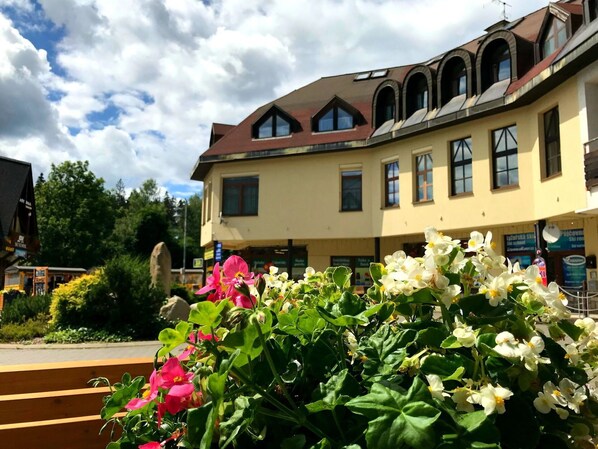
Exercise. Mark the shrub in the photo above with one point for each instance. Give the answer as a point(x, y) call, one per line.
point(183, 292)
point(118, 299)
point(23, 308)
point(30, 329)
point(84, 335)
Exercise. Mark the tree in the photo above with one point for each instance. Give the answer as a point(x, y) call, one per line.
point(75, 216)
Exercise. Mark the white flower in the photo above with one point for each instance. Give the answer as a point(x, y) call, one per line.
point(587, 324)
point(563, 414)
point(273, 270)
point(505, 337)
point(491, 398)
point(496, 291)
point(544, 402)
point(573, 394)
point(438, 243)
point(436, 387)
point(507, 345)
point(449, 294)
point(461, 397)
point(352, 344)
point(465, 335)
point(530, 353)
point(475, 242)
point(309, 272)
point(572, 353)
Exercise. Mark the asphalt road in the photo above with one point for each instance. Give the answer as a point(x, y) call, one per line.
point(14, 354)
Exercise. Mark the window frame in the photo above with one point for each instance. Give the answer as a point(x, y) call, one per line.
point(504, 154)
point(463, 144)
point(387, 182)
point(552, 33)
point(551, 117)
point(427, 157)
point(243, 182)
point(458, 73)
point(348, 174)
point(274, 116)
point(335, 119)
point(385, 102)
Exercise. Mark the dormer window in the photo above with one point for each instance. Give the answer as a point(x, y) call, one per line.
point(335, 119)
point(336, 115)
point(458, 80)
point(495, 63)
point(275, 123)
point(556, 36)
point(385, 106)
point(417, 93)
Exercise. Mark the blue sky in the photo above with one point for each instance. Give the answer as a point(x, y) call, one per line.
point(133, 86)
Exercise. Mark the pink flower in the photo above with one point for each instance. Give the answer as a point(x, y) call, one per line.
point(150, 445)
point(236, 271)
point(213, 283)
point(179, 398)
point(243, 301)
point(148, 395)
point(194, 337)
point(173, 373)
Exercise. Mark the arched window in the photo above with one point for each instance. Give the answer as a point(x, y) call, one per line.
point(555, 38)
point(417, 94)
point(385, 106)
point(496, 63)
point(454, 79)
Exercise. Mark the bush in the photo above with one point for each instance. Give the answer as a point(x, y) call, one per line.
point(84, 335)
point(118, 299)
point(23, 308)
point(34, 328)
point(183, 292)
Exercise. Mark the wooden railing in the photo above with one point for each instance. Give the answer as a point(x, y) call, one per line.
point(52, 405)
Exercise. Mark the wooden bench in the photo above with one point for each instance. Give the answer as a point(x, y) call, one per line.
point(52, 405)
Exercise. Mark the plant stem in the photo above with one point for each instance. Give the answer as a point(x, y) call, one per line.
point(279, 380)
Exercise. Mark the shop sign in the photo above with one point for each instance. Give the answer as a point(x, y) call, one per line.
point(279, 262)
point(341, 261)
point(198, 263)
point(299, 262)
point(218, 252)
point(574, 271)
point(570, 239)
point(21, 253)
point(363, 262)
point(209, 254)
point(520, 243)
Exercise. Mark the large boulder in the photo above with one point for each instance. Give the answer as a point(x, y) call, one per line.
point(176, 309)
point(160, 267)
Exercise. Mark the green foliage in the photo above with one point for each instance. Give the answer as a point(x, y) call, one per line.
point(443, 352)
point(23, 308)
point(118, 299)
point(183, 292)
point(30, 329)
point(75, 216)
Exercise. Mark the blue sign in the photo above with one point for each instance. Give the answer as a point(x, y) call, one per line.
point(569, 239)
point(574, 271)
point(218, 252)
point(520, 243)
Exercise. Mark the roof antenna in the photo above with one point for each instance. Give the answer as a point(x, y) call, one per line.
point(504, 8)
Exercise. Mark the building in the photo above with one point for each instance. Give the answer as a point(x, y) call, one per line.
point(499, 134)
point(18, 222)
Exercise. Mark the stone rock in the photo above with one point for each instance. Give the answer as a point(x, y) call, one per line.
point(160, 266)
point(175, 309)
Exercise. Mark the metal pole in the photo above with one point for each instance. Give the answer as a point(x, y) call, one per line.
point(184, 242)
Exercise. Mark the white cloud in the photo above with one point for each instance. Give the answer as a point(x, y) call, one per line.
point(166, 69)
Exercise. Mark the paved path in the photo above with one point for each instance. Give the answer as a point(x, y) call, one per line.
point(15, 354)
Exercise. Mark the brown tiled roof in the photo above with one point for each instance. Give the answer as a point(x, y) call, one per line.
point(303, 103)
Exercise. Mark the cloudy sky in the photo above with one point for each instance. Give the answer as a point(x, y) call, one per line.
point(133, 86)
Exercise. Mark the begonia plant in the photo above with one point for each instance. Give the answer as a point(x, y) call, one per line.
point(456, 349)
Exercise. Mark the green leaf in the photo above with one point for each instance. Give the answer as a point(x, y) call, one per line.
point(171, 338)
point(123, 393)
point(476, 304)
point(377, 270)
point(478, 427)
point(343, 320)
point(339, 389)
point(207, 313)
point(451, 342)
point(518, 426)
point(342, 277)
point(216, 384)
point(247, 341)
point(570, 329)
point(350, 304)
point(294, 442)
point(447, 366)
point(241, 418)
point(396, 419)
point(200, 425)
point(385, 350)
point(431, 337)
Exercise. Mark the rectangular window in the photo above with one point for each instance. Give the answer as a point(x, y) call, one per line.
point(351, 190)
point(240, 196)
point(461, 159)
point(391, 184)
point(552, 143)
point(207, 202)
point(504, 157)
point(423, 180)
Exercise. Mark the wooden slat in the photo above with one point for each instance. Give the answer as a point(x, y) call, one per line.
point(32, 378)
point(19, 408)
point(72, 433)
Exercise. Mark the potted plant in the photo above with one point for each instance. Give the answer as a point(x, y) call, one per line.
point(457, 349)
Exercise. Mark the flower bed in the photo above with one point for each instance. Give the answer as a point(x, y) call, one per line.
point(458, 349)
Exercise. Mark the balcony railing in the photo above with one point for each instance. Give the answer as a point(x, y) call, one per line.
point(591, 163)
